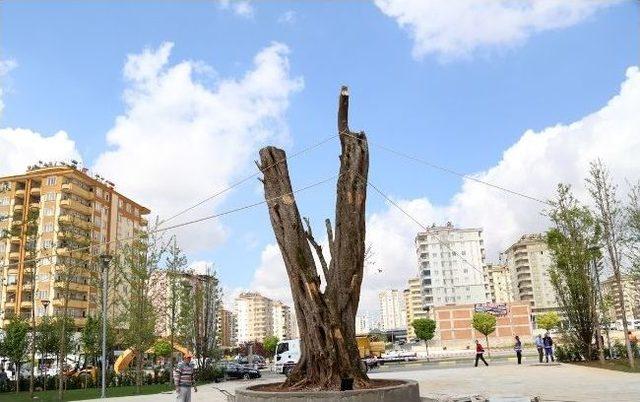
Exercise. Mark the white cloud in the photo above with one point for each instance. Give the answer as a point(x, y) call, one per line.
point(270, 279)
point(180, 140)
point(533, 165)
point(21, 147)
point(5, 67)
point(242, 8)
point(288, 17)
point(201, 267)
point(453, 29)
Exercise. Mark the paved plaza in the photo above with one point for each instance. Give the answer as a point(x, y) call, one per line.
point(553, 383)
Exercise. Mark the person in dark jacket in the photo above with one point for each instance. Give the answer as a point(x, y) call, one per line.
point(518, 349)
point(480, 353)
point(548, 347)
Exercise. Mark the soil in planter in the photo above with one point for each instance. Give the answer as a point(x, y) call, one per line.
point(277, 387)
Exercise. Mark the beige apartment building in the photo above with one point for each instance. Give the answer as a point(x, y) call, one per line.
point(528, 261)
point(392, 310)
point(631, 295)
point(498, 280)
point(54, 218)
point(227, 328)
point(258, 316)
point(413, 305)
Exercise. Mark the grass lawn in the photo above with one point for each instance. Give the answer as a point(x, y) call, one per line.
point(618, 365)
point(89, 393)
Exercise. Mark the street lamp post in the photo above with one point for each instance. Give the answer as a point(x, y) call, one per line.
point(45, 304)
point(104, 259)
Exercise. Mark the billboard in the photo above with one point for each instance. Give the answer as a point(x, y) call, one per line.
point(497, 309)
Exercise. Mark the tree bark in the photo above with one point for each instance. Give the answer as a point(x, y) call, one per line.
point(326, 320)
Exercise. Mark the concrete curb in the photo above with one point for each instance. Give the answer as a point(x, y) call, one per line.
point(406, 392)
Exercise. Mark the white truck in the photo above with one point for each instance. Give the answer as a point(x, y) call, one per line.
point(287, 355)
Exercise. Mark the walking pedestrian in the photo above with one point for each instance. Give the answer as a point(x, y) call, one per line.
point(480, 353)
point(4, 380)
point(540, 347)
point(548, 347)
point(184, 379)
point(518, 349)
point(633, 340)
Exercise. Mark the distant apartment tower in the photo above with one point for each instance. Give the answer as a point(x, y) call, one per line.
point(163, 285)
point(258, 316)
point(363, 324)
point(413, 305)
point(528, 261)
point(498, 279)
point(392, 311)
point(74, 214)
point(450, 265)
point(282, 326)
point(226, 328)
point(631, 295)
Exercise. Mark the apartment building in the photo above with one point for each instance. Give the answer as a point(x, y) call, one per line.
point(282, 325)
point(363, 324)
point(54, 218)
point(630, 293)
point(392, 310)
point(227, 328)
point(528, 261)
point(498, 279)
point(413, 305)
point(163, 283)
point(258, 316)
point(450, 266)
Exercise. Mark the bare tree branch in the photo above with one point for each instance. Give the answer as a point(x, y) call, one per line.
point(317, 248)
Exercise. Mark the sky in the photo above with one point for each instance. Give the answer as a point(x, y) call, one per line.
point(172, 101)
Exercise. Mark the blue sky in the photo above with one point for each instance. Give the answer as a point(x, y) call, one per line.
point(460, 111)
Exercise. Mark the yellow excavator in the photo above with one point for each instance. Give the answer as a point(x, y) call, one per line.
point(124, 360)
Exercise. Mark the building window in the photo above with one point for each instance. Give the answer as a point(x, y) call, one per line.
point(49, 197)
point(48, 228)
point(48, 244)
point(120, 203)
point(4, 201)
point(47, 212)
point(99, 192)
point(51, 181)
point(11, 279)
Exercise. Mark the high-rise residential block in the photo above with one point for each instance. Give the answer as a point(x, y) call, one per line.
point(450, 266)
point(282, 326)
point(227, 328)
point(258, 316)
point(528, 261)
point(413, 305)
point(498, 279)
point(392, 310)
point(631, 295)
point(56, 219)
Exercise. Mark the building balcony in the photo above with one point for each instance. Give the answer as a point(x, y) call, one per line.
point(524, 275)
point(18, 207)
point(20, 193)
point(67, 252)
point(144, 222)
point(16, 222)
point(83, 239)
point(72, 220)
point(25, 304)
point(75, 286)
point(521, 261)
point(76, 206)
point(34, 205)
point(35, 191)
point(73, 303)
point(14, 254)
point(15, 239)
point(77, 190)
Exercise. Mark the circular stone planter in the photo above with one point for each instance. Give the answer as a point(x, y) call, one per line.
point(405, 391)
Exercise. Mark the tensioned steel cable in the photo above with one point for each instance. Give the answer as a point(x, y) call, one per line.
point(425, 228)
point(179, 225)
point(244, 180)
point(451, 171)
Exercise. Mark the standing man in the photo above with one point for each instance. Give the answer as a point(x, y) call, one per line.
point(4, 380)
point(548, 347)
point(540, 347)
point(518, 349)
point(184, 380)
point(480, 353)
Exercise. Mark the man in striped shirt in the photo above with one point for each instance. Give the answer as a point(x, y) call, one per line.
point(184, 380)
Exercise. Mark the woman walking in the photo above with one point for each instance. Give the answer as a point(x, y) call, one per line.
point(518, 349)
point(479, 354)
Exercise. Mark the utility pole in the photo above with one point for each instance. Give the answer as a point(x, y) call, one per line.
point(104, 259)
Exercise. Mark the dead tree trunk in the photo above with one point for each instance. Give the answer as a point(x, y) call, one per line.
point(326, 320)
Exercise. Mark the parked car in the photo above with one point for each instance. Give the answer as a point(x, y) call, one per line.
point(235, 370)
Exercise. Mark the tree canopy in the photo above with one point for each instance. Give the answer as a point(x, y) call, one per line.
point(548, 320)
